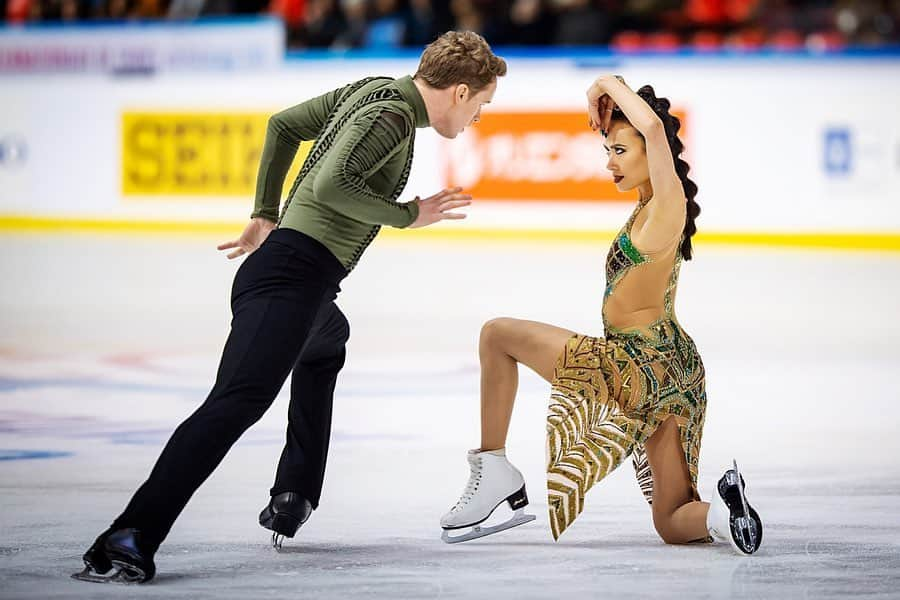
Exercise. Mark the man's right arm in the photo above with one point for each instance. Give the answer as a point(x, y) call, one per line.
point(284, 133)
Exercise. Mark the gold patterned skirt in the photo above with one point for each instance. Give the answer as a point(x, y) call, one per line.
point(608, 397)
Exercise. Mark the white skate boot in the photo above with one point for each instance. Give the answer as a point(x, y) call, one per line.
point(492, 481)
point(731, 518)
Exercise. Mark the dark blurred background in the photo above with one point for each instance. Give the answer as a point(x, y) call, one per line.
point(625, 25)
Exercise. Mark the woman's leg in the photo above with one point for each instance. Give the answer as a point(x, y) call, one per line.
point(677, 516)
point(504, 343)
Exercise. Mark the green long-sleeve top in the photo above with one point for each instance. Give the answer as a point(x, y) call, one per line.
point(349, 184)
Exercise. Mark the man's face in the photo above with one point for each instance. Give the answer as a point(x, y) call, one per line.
point(465, 109)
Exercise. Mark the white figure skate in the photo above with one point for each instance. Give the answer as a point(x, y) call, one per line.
point(492, 481)
point(731, 518)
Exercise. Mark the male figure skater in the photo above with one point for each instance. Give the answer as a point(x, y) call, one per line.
point(284, 315)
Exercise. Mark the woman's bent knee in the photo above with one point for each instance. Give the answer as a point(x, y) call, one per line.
point(493, 331)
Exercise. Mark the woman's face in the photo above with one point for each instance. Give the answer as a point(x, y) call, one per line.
point(627, 156)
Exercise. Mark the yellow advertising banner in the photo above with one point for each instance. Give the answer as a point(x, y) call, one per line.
point(195, 153)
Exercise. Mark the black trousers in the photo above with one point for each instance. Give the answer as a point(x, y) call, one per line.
point(284, 318)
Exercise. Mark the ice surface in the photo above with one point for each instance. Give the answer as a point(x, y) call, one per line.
point(106, 343)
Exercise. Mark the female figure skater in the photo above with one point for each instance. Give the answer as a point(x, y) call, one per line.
point(640, 390)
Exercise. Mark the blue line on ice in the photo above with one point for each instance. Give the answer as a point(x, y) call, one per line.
point(31, 454)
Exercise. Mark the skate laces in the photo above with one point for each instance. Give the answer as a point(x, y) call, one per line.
point(475, 470)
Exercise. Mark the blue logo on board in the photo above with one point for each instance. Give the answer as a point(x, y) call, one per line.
point(838, 151)
point(13, 150)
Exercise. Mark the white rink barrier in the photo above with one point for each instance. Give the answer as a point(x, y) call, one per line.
point(792, 146)
point(207, 45)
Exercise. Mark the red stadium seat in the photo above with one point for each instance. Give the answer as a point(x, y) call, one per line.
point(627, 41)
point(746, 39)
point(705, 12)
point(740, 11)
point(291, 11)
point(662, 41)
point(17, 11)
point(706, 41)
point(786, 39)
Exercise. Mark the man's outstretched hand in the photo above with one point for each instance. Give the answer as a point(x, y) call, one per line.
point(437, 207)
point(255, 233)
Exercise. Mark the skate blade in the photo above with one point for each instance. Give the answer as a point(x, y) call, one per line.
point(277, 540)
point(746, 536)
point(519, 518)
point(118, 575)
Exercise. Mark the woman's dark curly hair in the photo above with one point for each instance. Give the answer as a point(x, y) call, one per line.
point(671, 124)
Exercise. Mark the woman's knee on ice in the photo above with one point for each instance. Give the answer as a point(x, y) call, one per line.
point(668, 532)
point(663, 527)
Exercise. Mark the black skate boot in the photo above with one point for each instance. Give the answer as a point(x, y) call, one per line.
point(95, 560)
point(731, 517)
point(284, 515)
point(124, 552)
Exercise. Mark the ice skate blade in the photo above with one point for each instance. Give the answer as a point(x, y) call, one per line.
point(277, 540)
point(519, 518)
point(745, 524)
point(118, 575)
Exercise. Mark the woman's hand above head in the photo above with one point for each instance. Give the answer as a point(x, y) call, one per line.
point(600, 100)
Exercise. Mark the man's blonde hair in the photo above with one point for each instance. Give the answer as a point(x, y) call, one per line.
point(460, 57)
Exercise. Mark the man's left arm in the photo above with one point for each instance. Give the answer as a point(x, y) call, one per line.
point(284, 133)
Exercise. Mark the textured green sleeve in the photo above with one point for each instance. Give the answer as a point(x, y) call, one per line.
point(283, 136)
point(359, 151)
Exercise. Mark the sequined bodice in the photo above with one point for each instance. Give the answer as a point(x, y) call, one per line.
point(623, 256)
